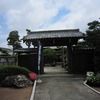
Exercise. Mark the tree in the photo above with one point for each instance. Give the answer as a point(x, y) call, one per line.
point(13, 40)
point(93, 34)
point(93, 40)
point(28, 43)
point(49, 56)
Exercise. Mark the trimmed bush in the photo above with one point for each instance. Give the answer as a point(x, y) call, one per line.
point(93, 80)
point(13, 70)
point(49, 55)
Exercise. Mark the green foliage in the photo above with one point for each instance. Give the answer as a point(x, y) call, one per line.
point(49, 52)
point(28, 43)
point(93, 40)
point(13, 39)
point(53, 63)
point(49, 55)
point(93, 80)
point(12, 70)
point(93, 34)
point(93, 25)
point(4, 52)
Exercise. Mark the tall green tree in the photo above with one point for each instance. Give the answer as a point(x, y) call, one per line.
point(93, 34)
point(13, 40)
point(93, 40)
point(28, 43)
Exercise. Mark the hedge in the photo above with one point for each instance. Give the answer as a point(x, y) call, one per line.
point(13, 70)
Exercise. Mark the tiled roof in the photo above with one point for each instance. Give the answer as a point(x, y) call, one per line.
point(54, 34)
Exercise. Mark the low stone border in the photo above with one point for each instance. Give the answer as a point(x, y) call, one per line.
point(91, 87)
point(33, 91)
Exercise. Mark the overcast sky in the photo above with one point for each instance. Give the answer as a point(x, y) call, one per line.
point(45, 15)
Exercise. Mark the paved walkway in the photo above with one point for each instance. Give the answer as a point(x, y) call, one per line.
point(55, 70)
point(63, 88)
point(68, 87)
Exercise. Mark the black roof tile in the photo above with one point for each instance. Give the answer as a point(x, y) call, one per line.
point(54, 34)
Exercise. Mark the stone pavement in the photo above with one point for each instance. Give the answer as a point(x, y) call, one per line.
point(64, 87)
point(55, 70)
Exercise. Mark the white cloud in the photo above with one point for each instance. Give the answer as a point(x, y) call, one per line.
point(6, 5)
point(2, 35)
point(34, 13)
point(31, 14)
point(81, 12)
point(3, 42)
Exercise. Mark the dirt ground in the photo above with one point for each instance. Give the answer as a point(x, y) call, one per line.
point(15, 94)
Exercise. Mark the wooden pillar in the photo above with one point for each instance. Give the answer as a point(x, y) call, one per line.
point(64, 55)
point(69, 48)
point(39, 57)
point(42, 64)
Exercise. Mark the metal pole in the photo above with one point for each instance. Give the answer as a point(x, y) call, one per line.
point(39, 61)
point(39, 56)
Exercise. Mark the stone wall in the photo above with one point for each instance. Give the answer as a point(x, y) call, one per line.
point(8, 60)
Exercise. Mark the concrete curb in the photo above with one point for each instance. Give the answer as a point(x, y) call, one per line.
point(91, 87)
point(33, 91)
point(56, 75)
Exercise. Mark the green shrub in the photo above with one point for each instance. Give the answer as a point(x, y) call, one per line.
point(49, 55)
point(4, 52)
point(53, 64)
point(94, 80)
point(12, 70)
